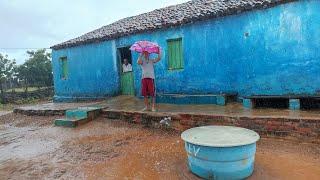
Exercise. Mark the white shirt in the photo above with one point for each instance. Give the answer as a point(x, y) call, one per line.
point(147, 68)
point(126, 68)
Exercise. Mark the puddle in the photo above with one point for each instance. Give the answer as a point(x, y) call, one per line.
point(24, 143)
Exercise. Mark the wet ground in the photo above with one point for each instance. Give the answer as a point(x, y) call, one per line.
point(32, 148)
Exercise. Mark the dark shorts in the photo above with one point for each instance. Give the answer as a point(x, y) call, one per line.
point(147, 87)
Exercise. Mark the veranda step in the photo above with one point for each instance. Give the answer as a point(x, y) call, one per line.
point(70, 122)
point(76, 117)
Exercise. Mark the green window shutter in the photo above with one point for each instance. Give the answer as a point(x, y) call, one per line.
point(64, 68)
point(175, 54)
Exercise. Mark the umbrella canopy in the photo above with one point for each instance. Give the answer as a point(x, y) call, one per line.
point(142, 46)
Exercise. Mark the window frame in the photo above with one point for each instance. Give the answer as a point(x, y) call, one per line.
point(64, 65)
point(168, 56)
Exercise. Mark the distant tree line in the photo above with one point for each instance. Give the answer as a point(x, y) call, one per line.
point(36, 71)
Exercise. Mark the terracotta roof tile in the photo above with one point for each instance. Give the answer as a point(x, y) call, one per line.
point(195, 10)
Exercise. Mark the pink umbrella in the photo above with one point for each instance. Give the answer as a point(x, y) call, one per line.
point(142, 46)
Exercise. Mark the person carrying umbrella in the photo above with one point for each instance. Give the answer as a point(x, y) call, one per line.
point(145, 48)
point(148, 76)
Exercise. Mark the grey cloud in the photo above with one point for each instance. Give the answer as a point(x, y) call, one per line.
point(42, 23)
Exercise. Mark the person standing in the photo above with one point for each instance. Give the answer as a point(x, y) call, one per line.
point(126, 66)
point(148, 76)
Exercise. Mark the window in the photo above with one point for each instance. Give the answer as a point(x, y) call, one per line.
point(175, 51)
point(64, 67)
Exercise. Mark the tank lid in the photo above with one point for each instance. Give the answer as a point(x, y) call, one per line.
point(220, 136)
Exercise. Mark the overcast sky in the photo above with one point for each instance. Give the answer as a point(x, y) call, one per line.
point(43, 23)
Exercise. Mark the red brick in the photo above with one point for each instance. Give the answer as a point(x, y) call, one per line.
point(187, 122)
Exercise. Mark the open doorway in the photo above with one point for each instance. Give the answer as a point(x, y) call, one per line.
point(125, 53)
point(126, 70)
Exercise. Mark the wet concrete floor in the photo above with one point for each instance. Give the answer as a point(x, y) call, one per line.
point(133, 104)
point(32, 148)
point(52, 106)
point(128, 103)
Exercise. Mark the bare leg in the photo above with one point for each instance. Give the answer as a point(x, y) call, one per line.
point(146, 103)
point(153, 103)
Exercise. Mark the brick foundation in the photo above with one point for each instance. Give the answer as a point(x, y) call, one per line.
point(303, 129)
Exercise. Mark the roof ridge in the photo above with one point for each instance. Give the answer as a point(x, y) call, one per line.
point(174, 15)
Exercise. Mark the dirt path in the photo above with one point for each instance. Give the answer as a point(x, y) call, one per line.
point(32, 148)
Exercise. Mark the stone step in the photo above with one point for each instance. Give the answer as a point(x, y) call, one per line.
point(70, 122)
point(76, 114)
point(76, 117)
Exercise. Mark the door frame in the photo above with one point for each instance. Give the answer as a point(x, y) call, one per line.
point(119, 66)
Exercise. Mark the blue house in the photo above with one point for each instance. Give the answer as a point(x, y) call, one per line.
point(255, 50)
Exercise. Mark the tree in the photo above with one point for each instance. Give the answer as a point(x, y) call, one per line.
point(37, 70)
point(14, 79)
point(7, 68)
point(23, 76)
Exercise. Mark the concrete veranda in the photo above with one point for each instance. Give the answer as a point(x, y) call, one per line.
point(128, 103)
point(298, 125)
point(133, 104)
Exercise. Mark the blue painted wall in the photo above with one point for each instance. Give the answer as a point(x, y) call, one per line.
point(92, 72)
point(281, 54)
point(265, 52)
point(206, 68)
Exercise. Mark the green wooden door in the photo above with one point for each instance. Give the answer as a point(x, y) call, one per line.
point(127, 85)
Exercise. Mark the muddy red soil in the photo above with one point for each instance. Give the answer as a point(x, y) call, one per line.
point(32, 148)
